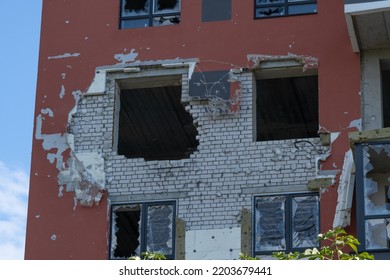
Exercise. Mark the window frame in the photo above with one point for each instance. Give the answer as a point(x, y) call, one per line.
point(150, 16)
point(275, 73)
point(143, 243)
point(361, 216)
point(288, 211)
point(286, 4)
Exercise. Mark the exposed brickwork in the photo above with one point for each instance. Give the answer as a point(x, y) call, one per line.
point(218, 180)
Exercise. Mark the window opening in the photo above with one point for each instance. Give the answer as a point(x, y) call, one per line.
point(143, 227)
point(285, 222)
point(154, 125)
point(278, 8)
point(373, 195)
point(144, 13)
point(287, 108)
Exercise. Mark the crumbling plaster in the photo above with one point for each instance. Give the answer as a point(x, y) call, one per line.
point(242, 168)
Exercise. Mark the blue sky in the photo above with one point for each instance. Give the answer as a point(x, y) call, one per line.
point(19, 33)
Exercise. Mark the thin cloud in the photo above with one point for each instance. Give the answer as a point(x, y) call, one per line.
point(13, 211)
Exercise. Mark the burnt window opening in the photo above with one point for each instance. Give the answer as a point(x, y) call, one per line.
point(154, 125)
point(373, 196)
point(143, 227)
point(288, 222)
point(144, 13)
point(280, 8)
point(287, 108)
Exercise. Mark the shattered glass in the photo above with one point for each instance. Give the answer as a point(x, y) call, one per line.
point(378, 233)
point(305, 225)
point(126, 237)
point(160, 229)
point(270, 11)
point(135, 7)
point(166, 6)
point(167, 20)
point(376, 164)
point(270, 223)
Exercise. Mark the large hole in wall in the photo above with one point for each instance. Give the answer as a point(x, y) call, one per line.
point(154, 125)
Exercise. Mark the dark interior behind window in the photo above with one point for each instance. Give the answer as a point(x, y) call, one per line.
point(154, 125)
point(287, 108)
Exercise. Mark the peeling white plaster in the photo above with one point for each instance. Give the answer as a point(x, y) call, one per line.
point(334, 136)
point(51, 141)
point(126, 58)
point(98, 85)
point(84, 175)
point(62, 92)
point(345, 191)
point(65, 55)
point(77, 95)
point(47, 111)
point(61, 191)
point(356, 124)
point(53, 237)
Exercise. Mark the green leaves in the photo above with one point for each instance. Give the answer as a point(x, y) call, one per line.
point(339, 244)
point(149, 256)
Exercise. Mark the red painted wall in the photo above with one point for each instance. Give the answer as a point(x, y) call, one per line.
point(90, 28)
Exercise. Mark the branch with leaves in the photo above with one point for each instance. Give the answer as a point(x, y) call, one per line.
point(339, 244)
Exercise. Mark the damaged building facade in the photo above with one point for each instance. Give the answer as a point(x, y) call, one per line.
point(203, 129)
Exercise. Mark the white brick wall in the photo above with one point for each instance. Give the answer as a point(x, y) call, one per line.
point(217, 181)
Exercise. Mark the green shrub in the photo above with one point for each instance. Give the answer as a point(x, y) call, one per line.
point(340, 243)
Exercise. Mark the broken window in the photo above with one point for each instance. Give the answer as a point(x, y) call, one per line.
point(277, 8)
point(374, 195)
point(285, 222)
point(287, 108)
point(142, 227)
point(153, 123)
point(144, 13)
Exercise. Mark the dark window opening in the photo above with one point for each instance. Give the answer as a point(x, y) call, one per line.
point(386, 97)
point(154, 125)
point(287, 108)
point(143, 227)
point(278, 8)
point(285, 223)
point(166, 4)
point(144, 13)
point(127, 237)
point(136, 6)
